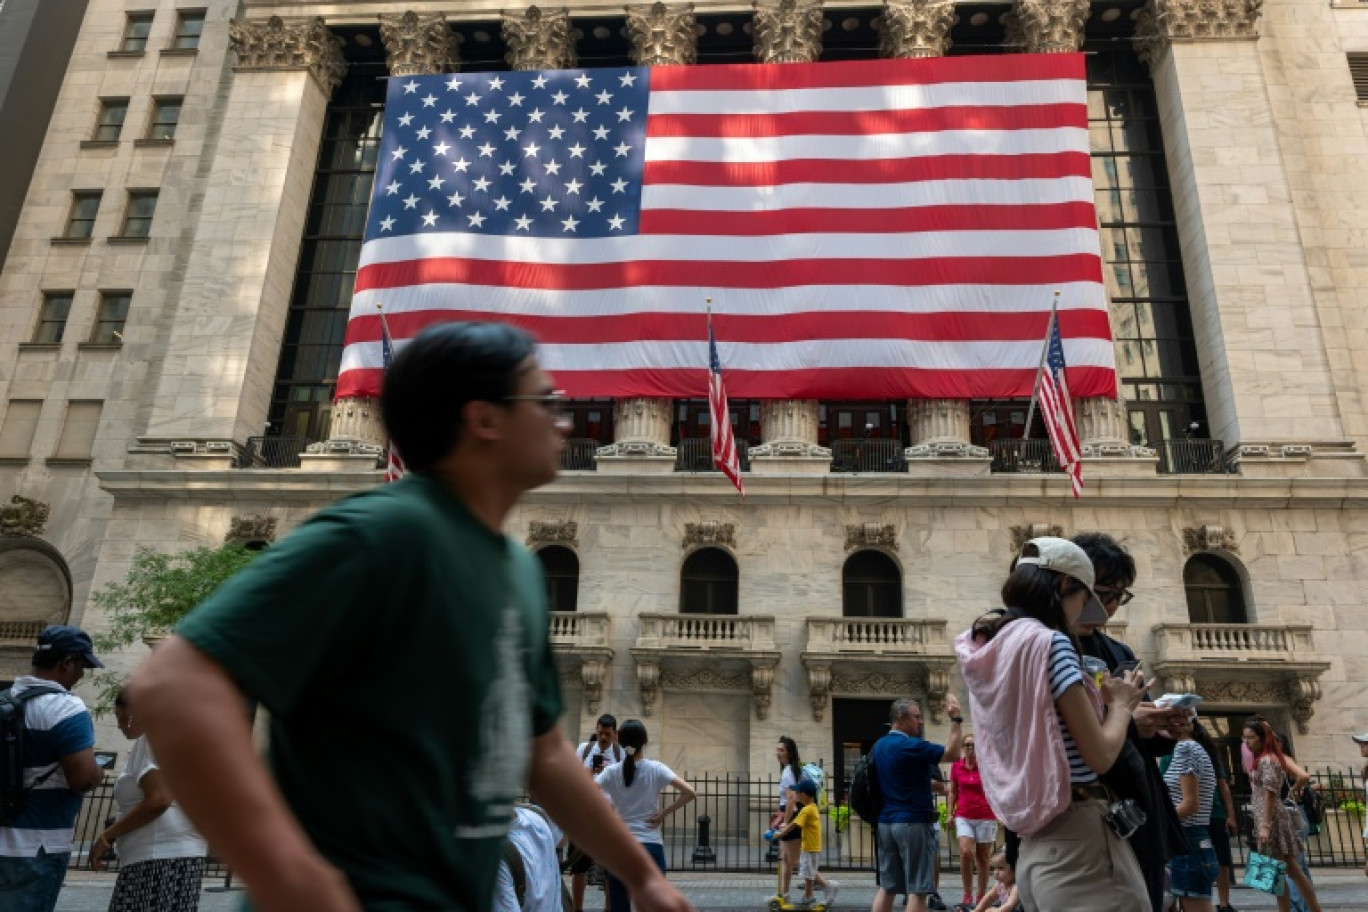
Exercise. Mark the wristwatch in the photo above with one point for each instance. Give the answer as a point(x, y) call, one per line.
point(957, 719)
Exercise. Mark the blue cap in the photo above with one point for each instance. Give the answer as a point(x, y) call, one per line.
point(806, 786)
point(63, 640)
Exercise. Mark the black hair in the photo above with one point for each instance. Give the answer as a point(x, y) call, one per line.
point(437, 373)
point(1112, 564)
point(46, 659)
point(121, 699)
point(1033, 591)
point(795, 763)
point(632, 737)
point(607, 720)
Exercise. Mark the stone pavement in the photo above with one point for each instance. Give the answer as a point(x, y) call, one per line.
point(1340, 889)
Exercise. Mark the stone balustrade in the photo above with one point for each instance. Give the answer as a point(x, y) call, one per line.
point(579, 641)
point(723, 653)
point(20, 633)
point(1234, 642)
point(876, 636)
point(579, 629)
point(726, 632)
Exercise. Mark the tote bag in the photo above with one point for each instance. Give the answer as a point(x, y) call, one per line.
point(1265, 874)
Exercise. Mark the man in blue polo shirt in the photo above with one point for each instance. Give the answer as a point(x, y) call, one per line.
point(907, 841)
point(59, 766)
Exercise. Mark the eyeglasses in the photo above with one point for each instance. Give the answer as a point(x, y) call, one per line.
point(554, 402)
point(1120, 596)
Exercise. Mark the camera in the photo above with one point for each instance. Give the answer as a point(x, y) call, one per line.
point(1125, 817)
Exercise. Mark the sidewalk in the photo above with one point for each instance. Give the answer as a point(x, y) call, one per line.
point(1340, 889)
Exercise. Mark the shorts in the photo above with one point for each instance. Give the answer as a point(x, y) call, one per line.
point(1194, 874)
point(980, 830)
point(1220, 841)
point(581, 864)
point(907, 858)
point(807, 865)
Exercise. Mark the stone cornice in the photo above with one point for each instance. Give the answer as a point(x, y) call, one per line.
point(418, 45)
point(1162, 22)
point(275, 45)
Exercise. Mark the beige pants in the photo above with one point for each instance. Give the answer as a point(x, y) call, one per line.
point(1078, 864)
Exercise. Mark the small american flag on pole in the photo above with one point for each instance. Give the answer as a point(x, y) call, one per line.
point(394, 463)
point(1057, 408)
point(723, 439)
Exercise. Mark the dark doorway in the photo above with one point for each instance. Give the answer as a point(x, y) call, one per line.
point(1227, 731)
point(855, 726)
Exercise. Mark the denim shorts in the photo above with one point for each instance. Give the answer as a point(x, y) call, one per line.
point(1194, 874)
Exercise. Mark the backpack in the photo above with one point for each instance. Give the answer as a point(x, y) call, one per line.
point(865, 797)
point(12, 729)
point(818, 776)
point(1313, 806)
point(614, 751)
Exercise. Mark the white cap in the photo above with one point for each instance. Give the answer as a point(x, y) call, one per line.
point(1063, 556)
point(1361, 739)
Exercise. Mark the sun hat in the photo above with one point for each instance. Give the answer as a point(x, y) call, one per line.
point(1063, 556)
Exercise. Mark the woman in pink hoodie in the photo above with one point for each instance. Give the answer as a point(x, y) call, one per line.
point(1049, 731)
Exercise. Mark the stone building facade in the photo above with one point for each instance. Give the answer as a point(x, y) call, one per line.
point(172, 303)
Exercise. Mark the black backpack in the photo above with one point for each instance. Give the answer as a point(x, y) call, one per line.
point(866, 798)
point(12, 750)
point(1313, 806)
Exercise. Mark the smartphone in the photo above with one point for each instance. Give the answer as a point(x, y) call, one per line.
point(104, 761)
point(1126, 666)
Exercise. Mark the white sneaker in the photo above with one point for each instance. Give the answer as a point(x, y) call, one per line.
point(830, 891)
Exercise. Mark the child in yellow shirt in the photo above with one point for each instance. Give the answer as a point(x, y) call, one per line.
point(808, 820)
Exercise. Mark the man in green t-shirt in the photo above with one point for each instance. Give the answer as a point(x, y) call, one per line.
point(400, 642)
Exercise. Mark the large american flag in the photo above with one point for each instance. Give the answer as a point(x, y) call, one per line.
point(723, 435)
point(1056, 407)
point(871, 229)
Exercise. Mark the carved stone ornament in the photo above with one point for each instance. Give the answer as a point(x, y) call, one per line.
point(819, 689)
point(553, 532)
point(788, 32)
point(1209, 538)
point(915, 28)
point(1022, 534)
point(697, 680)
point(871, 535)
point(1303, 692)
point(23, 518)
point(762, 683)
point(874, 683)
point(591, 677)
point(662, 34)
point(275, 45)
point(1046, 26)
point(417, 45)
point(648, 679)
point(254, 527)
point(539, 39)
point(357, 418)
point(789, 428)
point(1162, 22)
point(641, 427)
point(1265, 693)
point(709, 533)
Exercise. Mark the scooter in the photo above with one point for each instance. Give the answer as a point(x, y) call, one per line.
point(777, 902)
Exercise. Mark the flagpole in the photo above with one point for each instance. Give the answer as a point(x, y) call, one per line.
point(385, 323)
point(1040, 369)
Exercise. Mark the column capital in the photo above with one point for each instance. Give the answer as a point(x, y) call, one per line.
point(663, 33)
point(915, 28)
point(417, 45)
point(1047, 26)
point(539, 39)
point(788, 32)
point(275, 45)
point(1162, 22)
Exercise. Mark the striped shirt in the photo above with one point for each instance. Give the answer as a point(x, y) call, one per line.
point(56, 725)
point(1065, 672)
point(1190, 760)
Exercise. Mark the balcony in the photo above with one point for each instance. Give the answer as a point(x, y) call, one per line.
point(725, 653)
point(579, 642)
point(868, 456)
point(694, 454)
point(1017, 456)
point(875, 656)
point(1194, 457)
point(1258, 664)
point(272, 452)
point(580, 455)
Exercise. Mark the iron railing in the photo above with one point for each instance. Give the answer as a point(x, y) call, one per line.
point(272, 452)
point(580, 455)
point(868, 456)
point(694, 454)
point(1022, 456)
point(1198, 456)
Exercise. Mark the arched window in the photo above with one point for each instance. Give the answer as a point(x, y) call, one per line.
point(1214, 592)
point(707, 583)
point(871, 586)
point(561, 567)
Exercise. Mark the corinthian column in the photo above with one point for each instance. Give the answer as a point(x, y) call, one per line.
point(915, 28)
point(1047, 26)
point(788, 32)
point(539, 40)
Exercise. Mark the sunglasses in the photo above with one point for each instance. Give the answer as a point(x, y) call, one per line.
point(1106, 594)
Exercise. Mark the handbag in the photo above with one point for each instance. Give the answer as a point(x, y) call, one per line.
point(1265, 874)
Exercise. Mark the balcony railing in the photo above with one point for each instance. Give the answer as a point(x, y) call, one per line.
point(876, 636)
point(272, 452)
point(868, 456)
point(705, 631)
point(1193, 457)
point(1022, 456)
point(694, 454)
point(20, 633)
point(579, 630)
point(1235, 642)
point(580, 455)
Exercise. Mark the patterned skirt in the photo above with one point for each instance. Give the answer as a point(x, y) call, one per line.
point(161, 885)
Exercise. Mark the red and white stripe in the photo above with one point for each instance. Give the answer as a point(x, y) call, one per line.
point(869, 229)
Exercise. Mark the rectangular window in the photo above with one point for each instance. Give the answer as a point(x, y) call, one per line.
point(85, 205)
point(78, 431)
point(112, 315)
point(138, 218)
point(53, 318)
point(16, 434)
point(112, 114)
point(1358, 71)
point(136, 29)
point(165, 115)
point(189, 25)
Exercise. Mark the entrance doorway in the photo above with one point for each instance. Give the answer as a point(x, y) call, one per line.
point(855, 726)
point(1227, 731)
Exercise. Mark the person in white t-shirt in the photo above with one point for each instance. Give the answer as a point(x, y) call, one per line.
point(535, 837)
point(161, 857)
point(596, 753)
point(634, 786)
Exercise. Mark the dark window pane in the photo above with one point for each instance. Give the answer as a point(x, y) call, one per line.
point(136, 30)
